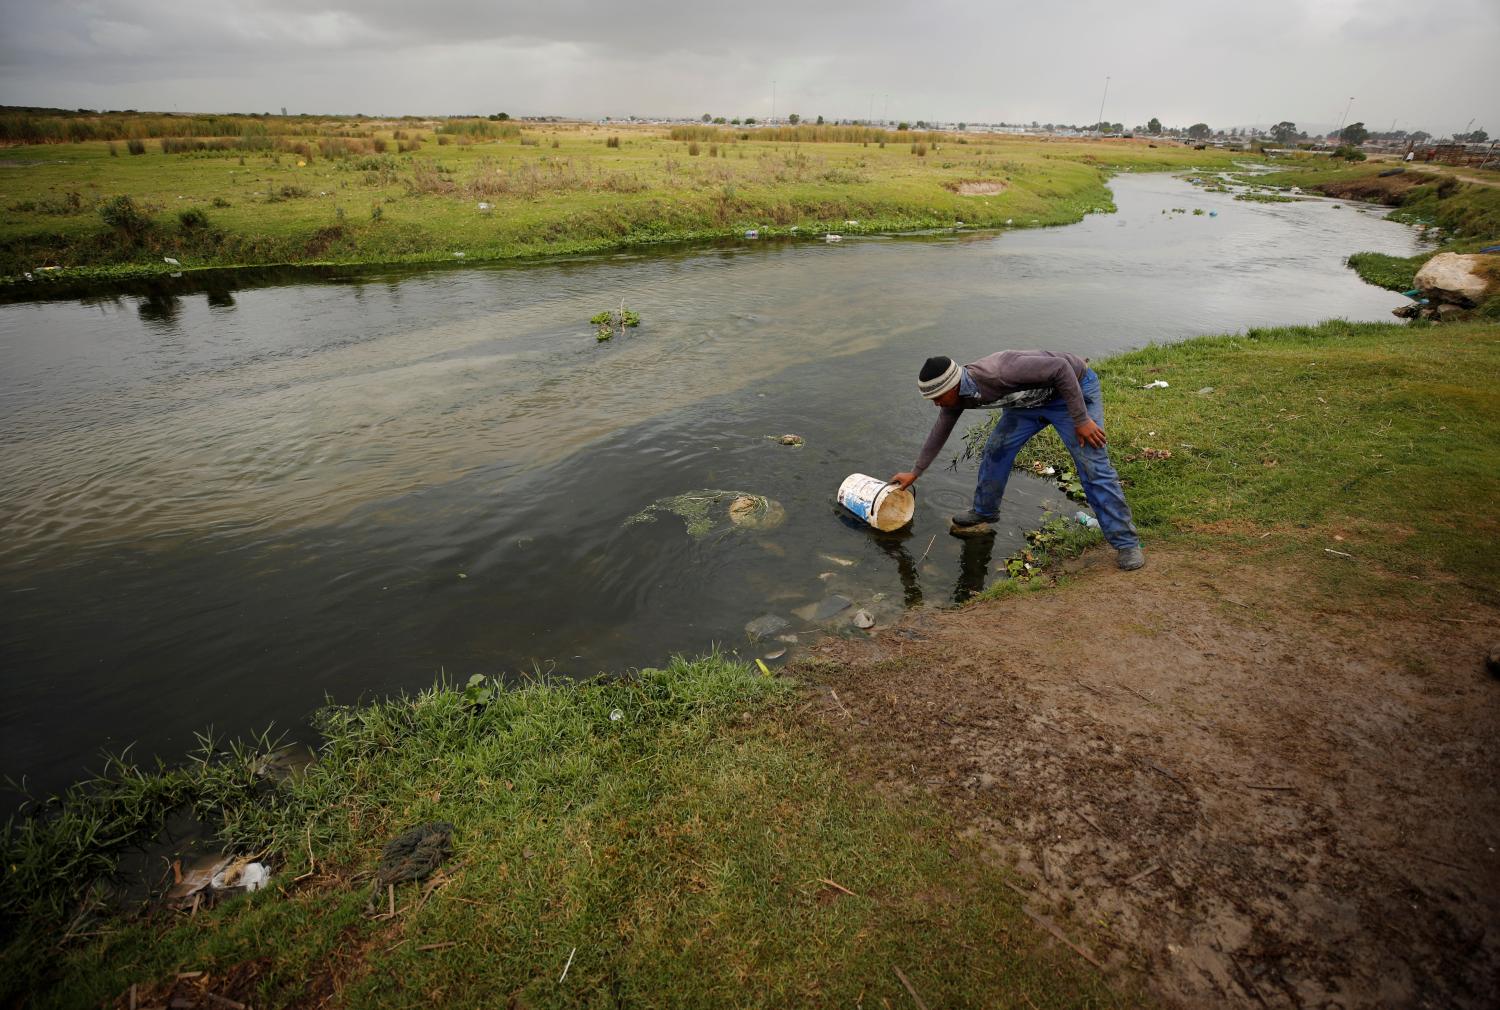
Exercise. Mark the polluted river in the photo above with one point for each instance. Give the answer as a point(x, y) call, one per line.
point(223, 505)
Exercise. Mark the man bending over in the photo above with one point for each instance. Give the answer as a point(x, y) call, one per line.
point(1033, 389)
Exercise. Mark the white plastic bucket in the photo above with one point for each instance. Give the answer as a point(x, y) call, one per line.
point(883, 505)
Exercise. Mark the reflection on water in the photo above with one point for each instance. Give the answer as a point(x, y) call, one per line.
point(223, 503)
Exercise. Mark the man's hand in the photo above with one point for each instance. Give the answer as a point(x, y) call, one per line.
point(1090, 434)
point(906, 480)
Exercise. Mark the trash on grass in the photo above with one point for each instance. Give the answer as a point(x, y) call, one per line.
point(1158, 384)
point(1084, 519)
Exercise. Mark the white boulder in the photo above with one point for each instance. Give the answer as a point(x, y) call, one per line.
point(1454, 278)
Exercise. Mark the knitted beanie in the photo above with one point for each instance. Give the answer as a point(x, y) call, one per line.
point(938, 375)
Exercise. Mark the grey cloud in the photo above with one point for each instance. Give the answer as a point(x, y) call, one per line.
point(1182, 60)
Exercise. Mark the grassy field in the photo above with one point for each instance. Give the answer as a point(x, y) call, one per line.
point(444, 190)
point(1380, 441)
point(696, 849)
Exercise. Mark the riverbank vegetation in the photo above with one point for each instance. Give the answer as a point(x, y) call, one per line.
point(232, 191)
point(1354, 443)
point(667, 837)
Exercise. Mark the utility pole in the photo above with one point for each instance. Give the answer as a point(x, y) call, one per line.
point(1345, 118)
point(1100, 120)
point(773, 103)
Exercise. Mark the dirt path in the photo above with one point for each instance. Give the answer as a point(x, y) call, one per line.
point(1254, 794)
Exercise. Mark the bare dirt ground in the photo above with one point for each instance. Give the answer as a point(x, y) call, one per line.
point(1252, 793)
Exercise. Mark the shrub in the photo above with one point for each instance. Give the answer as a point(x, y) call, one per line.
point(1350, 153)
point(693, 149)
point(444, 140)
point(219, 201)
point(125, 216)
point(377, 212)
point(612, 142)
point(192, 219)
point(378, 144)
point(114, 152)
point(556, 143)
point(135, 145)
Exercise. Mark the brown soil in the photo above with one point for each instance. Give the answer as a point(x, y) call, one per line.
point(979, 188)
point(1389, 190)
point(1254, 794)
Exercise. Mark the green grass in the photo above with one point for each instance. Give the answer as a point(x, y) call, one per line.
point(273, 206)
point(1384, 434)
point(680, 853)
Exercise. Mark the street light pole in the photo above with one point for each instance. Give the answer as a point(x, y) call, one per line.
point(1346, 116)
point(1100, 120)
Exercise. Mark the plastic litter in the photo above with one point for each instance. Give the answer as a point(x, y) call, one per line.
point(830, 237)
point(170, 261)
point(1205, 390)
point(1084, 519)
point(753, 233)
point(616, 715)
point(1158, 384)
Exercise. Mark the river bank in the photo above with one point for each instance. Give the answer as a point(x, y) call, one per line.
point(435, 193)
point(733, 833)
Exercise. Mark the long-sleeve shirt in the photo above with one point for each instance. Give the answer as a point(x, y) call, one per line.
point(998, 375)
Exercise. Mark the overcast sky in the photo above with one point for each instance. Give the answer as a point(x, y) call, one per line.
point(1424, 63)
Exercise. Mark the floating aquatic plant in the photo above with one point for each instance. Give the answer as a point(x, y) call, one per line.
point(701, 511)
point(608, 323)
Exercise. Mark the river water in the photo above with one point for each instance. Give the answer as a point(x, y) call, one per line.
point(221, 507)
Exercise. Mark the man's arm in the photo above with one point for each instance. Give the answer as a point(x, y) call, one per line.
point(936, 438)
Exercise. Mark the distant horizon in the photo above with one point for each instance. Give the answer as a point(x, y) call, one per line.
point(1311, 129)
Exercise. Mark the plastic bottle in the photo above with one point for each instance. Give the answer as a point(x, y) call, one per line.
point(1084, 519)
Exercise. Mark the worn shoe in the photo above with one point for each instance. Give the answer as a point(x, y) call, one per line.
point(1130, 558)
point(964, 520)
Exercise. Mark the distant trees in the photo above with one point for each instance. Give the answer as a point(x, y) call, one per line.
point(903, 125)
point(794, 119)
point(820, 120)
point(1284, 132)
point(1198, 131)
point(962, 127)
point(1153, 125)
point(749, 120)
point(720, 120)
point(1354, 134)
point(707, 118)
point(1418, 136)
point(1477, 137)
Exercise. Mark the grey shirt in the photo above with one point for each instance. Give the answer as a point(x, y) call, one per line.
point(998, 375)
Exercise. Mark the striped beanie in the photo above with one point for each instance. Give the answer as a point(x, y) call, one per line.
point(937, 377)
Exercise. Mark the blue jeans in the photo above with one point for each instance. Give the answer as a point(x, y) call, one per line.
point(1101, 484)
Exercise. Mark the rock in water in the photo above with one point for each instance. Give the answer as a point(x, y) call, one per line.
point(864, 619)
point(825, 608)
point(756, 513)
point(791, 440)
point(765, 626)
point(1455, 278)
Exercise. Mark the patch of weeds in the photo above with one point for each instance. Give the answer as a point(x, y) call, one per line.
point(612, 321)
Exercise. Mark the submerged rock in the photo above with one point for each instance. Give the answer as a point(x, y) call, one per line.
point(756, 513)
point(765, 626)
point(825, 608)
point(864, 619)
